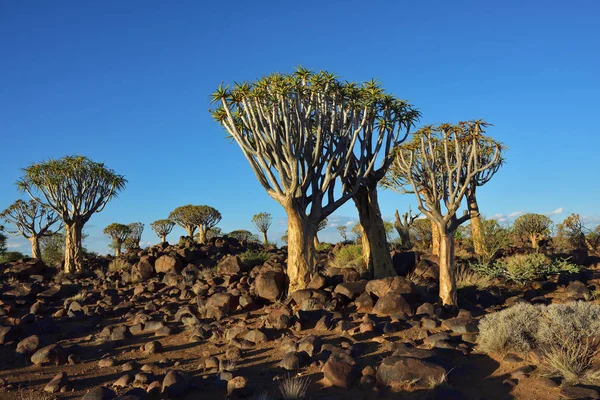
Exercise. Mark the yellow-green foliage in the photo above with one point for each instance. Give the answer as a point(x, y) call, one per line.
point(349, 256)
point(118, 264)
point(253, 258)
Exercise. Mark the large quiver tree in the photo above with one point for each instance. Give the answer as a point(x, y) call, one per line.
point(118, 233)
point(33, 221)
point(438, 165)
point(74, 187)
point(188, 217)
point(300, 132)
point(208, 218)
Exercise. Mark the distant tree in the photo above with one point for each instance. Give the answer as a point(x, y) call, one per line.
point(208, 218)
point(302, 133)
point(593, 239)
point(573, 230)
point(188, 217)
point(389, 230)
point(438, 165)
point(284, 238)
point(53, 249)
point(421, 234)
point(33, 221)
point(213, 232)
point(263, 221)
point(75, 187)
point(403, 226)
point(243, 235)
point(135, 234)
point(357, 230)
point(118, 233)
point(497, 237)
point(532, 227)
point(10, 256)
point(342, 230)
point(162, 228)
point(322, 225)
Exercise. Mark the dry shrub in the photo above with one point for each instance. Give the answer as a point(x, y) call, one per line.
point(466, 277)
point(294, 387)
point(349, 256)
point(118, 264)
point(509, 330)
point(573, 360)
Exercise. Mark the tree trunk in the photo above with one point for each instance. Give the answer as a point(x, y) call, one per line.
point(118, 248)
point(265, 240)
point(317, 240)
point(403, 232)
point(73, 253)
point(376, 251)
point(534, 240)
point(302, 259)
point(35, 248)
point(447, 278)
point(435, 239)
point(163, 238)
point(202, 235)
point(477, 231)
point(190, 230)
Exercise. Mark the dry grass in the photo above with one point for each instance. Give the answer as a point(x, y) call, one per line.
point(294, 387)
point(118, 264)
point(467, 278)
point(416, 279)
point(573, 360)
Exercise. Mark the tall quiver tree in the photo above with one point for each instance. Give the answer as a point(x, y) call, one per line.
point(118, 233)
point(263, 221)
point(33, 221)
point(402, 226)
point(135, 234)
point(209, 217)
point(487, 152)
point(532, 227)
point(162, 228)
point(300, 132)
point(439, 164)
point(74, 187)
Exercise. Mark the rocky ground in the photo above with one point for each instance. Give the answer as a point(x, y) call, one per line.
point(195, 322)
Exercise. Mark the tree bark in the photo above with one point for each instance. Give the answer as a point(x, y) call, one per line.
point(477, 231)
point(447, 278)
point(190, 231)
point(376, 252)
point(163, 238)
point(201, 235)
point(265, 240)
point(117, 248)
point(534, 241)
point(35, 248)
point(73, 253)
point(302, 259)
point(435, 239)
point(316, 241)
point(403, 232)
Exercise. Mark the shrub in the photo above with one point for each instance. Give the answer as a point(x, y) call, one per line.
point(293, 387)
point(349, 256)
point(522, 268)
point(566, 334)
point(11, 256)
point(252, 258)
point(118, 264)
point(323, 247)
point(466, 277)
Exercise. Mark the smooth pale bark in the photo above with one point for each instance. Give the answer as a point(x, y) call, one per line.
point(447, 278)
point(118, 248)
point(190, 230)
point(375, 249)
point(73, 253)
point(477, 231)
point(403, 232)
point(302, 258)
point(163, 238)
point(316, 241)
point(35, 247)
point(534, 240)
point(435, 239)
point(265, 240)
point(202, 235)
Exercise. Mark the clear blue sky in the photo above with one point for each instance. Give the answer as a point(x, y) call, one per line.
point(128, 83)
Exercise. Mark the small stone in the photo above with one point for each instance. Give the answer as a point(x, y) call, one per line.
point(59, 381)
point(578, 393)
point(123, 381)
point(106, 362)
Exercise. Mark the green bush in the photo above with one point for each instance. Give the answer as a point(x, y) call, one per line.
point(10, 256)
point(118, 264)
point(522, 268)
point(349, 256)
point(323, 247)
point(566, 335)
point(252, 258)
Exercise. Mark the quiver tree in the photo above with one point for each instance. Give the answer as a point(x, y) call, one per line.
point(135, 234)
point(438, 165)
point(208, 218)
point(162, 228)
point(403, 226)
point(263, 221)
point(33, 221)
point(74, 187)
point(300, 133)
point(421, 235)
point(118, 233)
point(243, 235)
point(213, 232)
point(573, 230)
point(188, 217)
point(322, 225)
point(532, 227)
point(342, 230)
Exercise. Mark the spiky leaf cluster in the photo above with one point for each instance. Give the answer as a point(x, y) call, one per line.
point(135, 233)
point(262, 221)
point(31, 218)
point(117, 232)
point(162, 227)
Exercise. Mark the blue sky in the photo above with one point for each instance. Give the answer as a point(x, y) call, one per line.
point(128, 83)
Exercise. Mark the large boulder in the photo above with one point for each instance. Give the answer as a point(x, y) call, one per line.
point(53, 354)
point(142, 271)
point(397, 371)
point(404, 261)
point(383, 286)
point(176, 383)
point(270, 285)
point(351, 289)
point(340, 373)
point(167, 263)
point(230, 265)
point(390, 304)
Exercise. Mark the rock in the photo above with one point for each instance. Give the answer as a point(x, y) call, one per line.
point(176, 383)
point(436, 337)
point(512, 358)
point(166, 264)
point(153, 347)
point(364, 303)
point(404, 261)
point(390, 304)
point(311, 345)
point(256, 336)
point(154, 389)
point(99, 393)
point(290, 362)
point(383, 286)
point(426, 309)
point(280, 318)
point(29, 345)
point(351, 289)
point(123, 381)
point(578, 290)
point(270, 285)
point(578, 393)
point(60, 380)
point(339, 373)
point(142, 271)
point(223, 301)
point(230, 265)
point(53, 354)
point(236, 384)
point(395, 371)
point(7, 334)
point(402, 350)
point(461, 325)
point(106, 362)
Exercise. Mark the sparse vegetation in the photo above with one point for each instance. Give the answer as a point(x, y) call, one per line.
point(349, 256)
point(118, 264)
point(294, 387)
point(466, 277)
point(253, 258)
